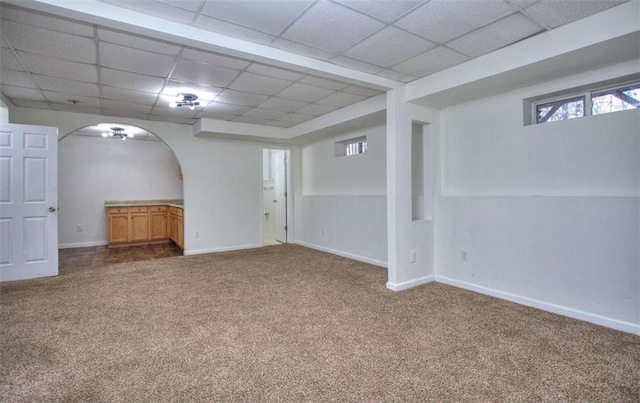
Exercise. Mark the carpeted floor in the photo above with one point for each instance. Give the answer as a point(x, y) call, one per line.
point(286, 323)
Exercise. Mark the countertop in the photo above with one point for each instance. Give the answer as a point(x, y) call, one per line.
point(155, 202)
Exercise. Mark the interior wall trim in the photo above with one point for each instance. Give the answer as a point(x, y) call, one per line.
point(411, 283)
point(363, 259)
point(81, 244)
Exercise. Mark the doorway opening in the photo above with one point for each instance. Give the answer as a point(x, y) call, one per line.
point(275, 195)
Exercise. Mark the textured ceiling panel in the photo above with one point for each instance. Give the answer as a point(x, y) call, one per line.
point(301, 49)
point(249, 82)
point(274, 72)
point(240, 98)
point(46, 22)
point(552, 14)
point(126, 106)
point(59, 68)
point(305, 93)
point(67, 86)
point(9, 61)
point(495, 36)
point(59, 98)
point(317, 27)
point(157, 9)
point(214, 59)
point(388, 47)
point(356, 64)
point(265, 114)
point(17, 79)
point(233, 30)
point(219, 107)
point(316, 110)
point(120, 94)
point(49, 43)
point(22, 93)
point(259, 15)
point(138, 82)
point(135, 60)
point(137, 42)
point(341, 99)
point(386, 10)
point(203, 74)
point(324, 83)
point(281, 104)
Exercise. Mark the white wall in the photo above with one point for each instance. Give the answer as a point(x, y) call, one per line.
point(4, 112)
point(549, 213)
point(94, 169)
point(342, 207)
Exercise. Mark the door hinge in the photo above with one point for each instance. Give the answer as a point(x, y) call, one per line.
point(285, 194)
point(286, 227)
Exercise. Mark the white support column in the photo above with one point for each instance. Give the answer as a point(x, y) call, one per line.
point(406, 238)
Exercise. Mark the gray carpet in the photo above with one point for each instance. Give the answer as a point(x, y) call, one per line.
point(286, 323)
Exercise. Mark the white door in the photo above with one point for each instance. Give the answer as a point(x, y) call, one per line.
point(280, 188)
point(28, 202)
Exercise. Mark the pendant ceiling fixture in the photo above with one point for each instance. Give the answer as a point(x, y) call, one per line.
point(117, 132)
point(185, 99)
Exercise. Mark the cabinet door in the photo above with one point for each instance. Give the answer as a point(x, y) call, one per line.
point(158, 225)
point(139, 227)
point(118, 228)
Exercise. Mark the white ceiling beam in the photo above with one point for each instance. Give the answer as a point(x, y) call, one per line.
point(112, 16)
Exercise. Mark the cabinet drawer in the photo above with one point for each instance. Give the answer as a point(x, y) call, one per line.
point(158, 208)
point(139, 209)
point(118, 210)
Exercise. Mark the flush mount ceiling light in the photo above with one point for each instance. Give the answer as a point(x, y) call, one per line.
point(185, 99)
point(117, 132)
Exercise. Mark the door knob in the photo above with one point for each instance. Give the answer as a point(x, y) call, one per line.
point(52, 209)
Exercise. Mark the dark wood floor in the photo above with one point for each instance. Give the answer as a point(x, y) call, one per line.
point(99, 255)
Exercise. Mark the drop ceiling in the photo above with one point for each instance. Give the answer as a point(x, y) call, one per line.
point(53, 62)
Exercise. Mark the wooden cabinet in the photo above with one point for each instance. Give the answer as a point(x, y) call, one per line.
point(158, 223)
point(139, 225)
point(118, 224)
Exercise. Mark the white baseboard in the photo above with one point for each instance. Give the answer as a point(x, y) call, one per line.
point(545, 306)
point(81, 244)
point(222, 249)
point(374, 262)
point(411, 283)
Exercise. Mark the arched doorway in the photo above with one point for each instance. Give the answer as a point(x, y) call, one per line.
point(101, 163)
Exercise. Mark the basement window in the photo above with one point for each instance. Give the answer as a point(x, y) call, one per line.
point(350, 147)
point(597, 99)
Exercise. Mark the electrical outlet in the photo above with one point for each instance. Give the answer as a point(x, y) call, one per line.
point(464, 256)
point(412, 256)
point(197, 234)
point(79, 228)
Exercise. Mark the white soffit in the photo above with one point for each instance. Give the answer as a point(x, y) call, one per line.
point(609, 37)
point(132, 21)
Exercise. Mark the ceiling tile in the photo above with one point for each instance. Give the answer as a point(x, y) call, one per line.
point(216, 115)
point(259, 15)
point(324, 83)
point(301, 49)
point(521, 3)
point(59, 68)
point(316, 110)
point(385, 10)
point(274, 72)
point(121, 94)
point(240, 98)
point(191, 5)
point(552, 14)
point(233, 30)
point(363, 91)
point(60, 98)
point(430, 62)
point(135, 60)
point(131, 81)
point(227, 109)
point(388, 47)
point(493, 36)
point(49, 43)
point(341, 99)
point(264, 114)
point(47, 22)
point(126, 106)
point(258, 84)
point(215, 59)
point(317, 27)
point(203, 74)
point(16, 79)
point(395, 75)
point(158, 9)
point(21, 93)
point(254, 121)
point(67, 86)
point(304, 92)
point(138, 42)
point(442, 20)
point(281, 104)
point(9, 61)
point(295, 118)
point(355, 64)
